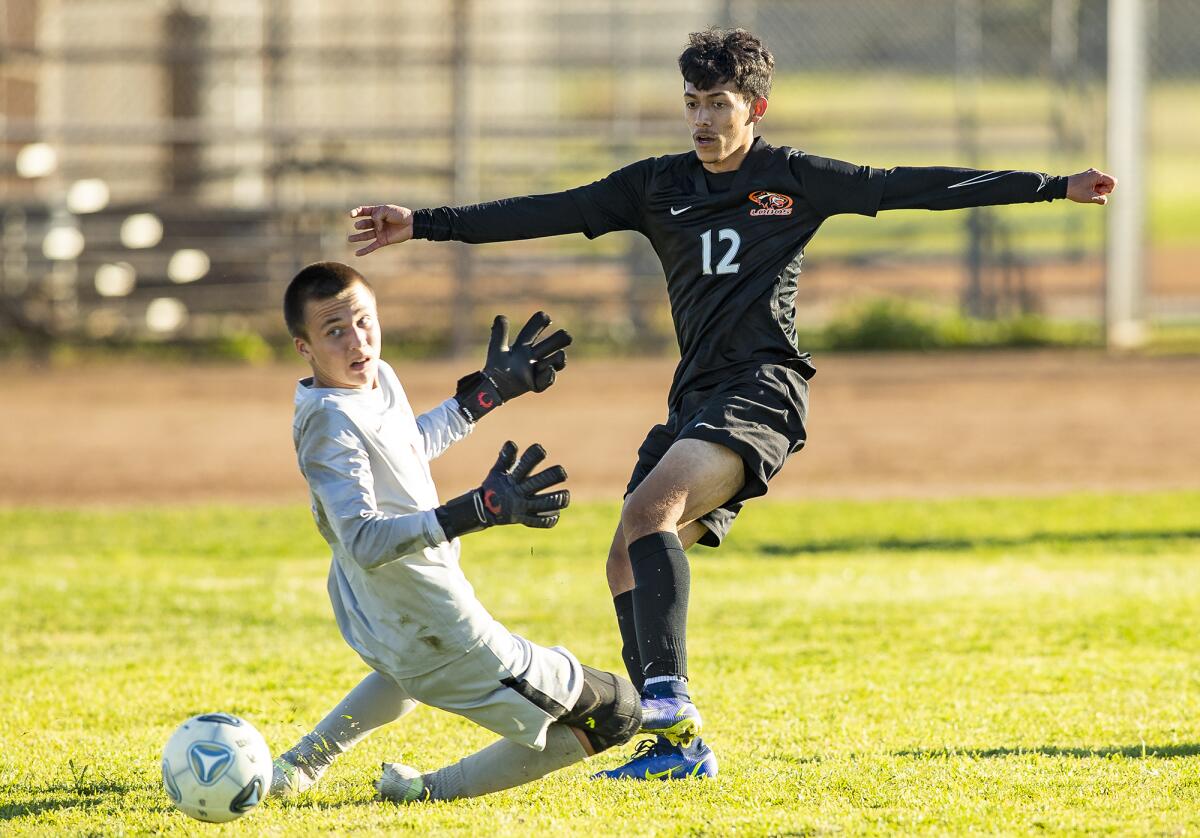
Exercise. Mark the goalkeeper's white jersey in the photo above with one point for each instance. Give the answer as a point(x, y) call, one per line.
point(399, 595)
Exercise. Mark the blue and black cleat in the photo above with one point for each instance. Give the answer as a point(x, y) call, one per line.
point(659, 759)
point(676, 719)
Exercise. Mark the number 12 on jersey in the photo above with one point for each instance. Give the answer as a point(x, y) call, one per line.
point(726, 265)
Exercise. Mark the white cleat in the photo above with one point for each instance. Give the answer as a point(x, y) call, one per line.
point(288, 780)
point(401, 784)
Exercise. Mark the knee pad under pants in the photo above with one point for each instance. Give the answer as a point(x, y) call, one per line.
point(609, 710)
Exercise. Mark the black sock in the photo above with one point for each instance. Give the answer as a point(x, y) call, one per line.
point(662, 580)
point(629, 639)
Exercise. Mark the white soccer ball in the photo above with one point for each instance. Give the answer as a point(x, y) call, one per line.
point(216, 767)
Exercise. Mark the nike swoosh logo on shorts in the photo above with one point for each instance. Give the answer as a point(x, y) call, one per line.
point(705, 425)
point(680, 211)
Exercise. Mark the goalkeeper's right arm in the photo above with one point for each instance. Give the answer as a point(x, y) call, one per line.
point(338, 470)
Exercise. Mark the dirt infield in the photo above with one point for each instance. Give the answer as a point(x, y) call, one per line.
point(935, 425)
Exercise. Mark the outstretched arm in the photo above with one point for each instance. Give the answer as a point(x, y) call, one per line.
point(612, 203)
point(531, 217)
point(943, 188)
point(834, 186)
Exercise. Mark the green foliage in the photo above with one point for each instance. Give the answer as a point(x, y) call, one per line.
point(246, 346)
point(1174, 338)
point(1011, 666)
point(892, 323)
point(885, 323)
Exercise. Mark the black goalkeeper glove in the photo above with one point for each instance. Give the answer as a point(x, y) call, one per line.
point(511, 372)
point(509, 495)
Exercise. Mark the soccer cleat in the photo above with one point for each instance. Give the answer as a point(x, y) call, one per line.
point(658, 759)
point(677, 719)
point(401, 784)
point(288, 780)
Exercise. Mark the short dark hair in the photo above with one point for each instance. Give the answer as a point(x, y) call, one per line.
point(318, 281)
point(722, 56)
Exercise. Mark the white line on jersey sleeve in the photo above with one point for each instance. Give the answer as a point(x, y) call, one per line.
point(981, 178)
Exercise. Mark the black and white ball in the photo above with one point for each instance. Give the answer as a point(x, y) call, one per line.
point(216, 767)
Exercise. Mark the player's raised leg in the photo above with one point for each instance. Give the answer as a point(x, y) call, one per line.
point(376, 701)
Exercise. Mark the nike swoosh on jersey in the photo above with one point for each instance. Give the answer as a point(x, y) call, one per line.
point(681, 211)
point(983, 178)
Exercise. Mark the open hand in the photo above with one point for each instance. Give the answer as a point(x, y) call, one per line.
point(528, 365)
point(525, 365)
point(1090, 187)
point(511, 495)
point(383, 224)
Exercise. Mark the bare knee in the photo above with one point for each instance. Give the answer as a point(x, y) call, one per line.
point(617, 568)
point(645, 513)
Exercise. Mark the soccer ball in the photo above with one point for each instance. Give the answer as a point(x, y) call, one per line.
point(216, 767)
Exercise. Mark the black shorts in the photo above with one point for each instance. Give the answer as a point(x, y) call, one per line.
point(758, 414)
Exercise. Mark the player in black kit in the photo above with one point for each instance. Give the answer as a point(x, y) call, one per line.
point(729, 222)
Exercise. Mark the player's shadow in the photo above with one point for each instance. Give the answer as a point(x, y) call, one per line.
point(1190, 749)
point(903, 545)
point(61, 796)
point(21, 808)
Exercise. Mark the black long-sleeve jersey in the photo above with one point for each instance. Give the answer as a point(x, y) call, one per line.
point(732, 255)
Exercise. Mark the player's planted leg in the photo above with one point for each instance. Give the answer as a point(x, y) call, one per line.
point(660, 759)
point(376, 701)
point(660, 709)
point(620, 582)
point(693, 478)
point(660, 599)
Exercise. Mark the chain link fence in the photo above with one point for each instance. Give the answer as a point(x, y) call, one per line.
point(165, 167)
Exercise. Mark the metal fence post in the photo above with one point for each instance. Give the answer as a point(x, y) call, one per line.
point(465, 172)
point(968, 47)
point(1123, 310)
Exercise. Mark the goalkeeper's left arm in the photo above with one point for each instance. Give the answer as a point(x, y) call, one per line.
point(529, 365)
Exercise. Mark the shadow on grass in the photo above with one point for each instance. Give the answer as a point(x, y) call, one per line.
point(303, 803)
point(21, 808)
point(900, 545)
point(1129, 751)
point(64, 796)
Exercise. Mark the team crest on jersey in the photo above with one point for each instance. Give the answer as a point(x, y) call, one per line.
point(771, 203)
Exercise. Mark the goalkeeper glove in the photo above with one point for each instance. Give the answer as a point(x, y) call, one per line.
point(509, 495)
point(512, 371)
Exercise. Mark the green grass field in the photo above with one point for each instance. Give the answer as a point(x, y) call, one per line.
point(1012, 666)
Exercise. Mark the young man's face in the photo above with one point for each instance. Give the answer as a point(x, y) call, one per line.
point(722, 124)
point(342, 346)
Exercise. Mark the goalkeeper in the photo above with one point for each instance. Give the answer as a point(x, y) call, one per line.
point(398, 593)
